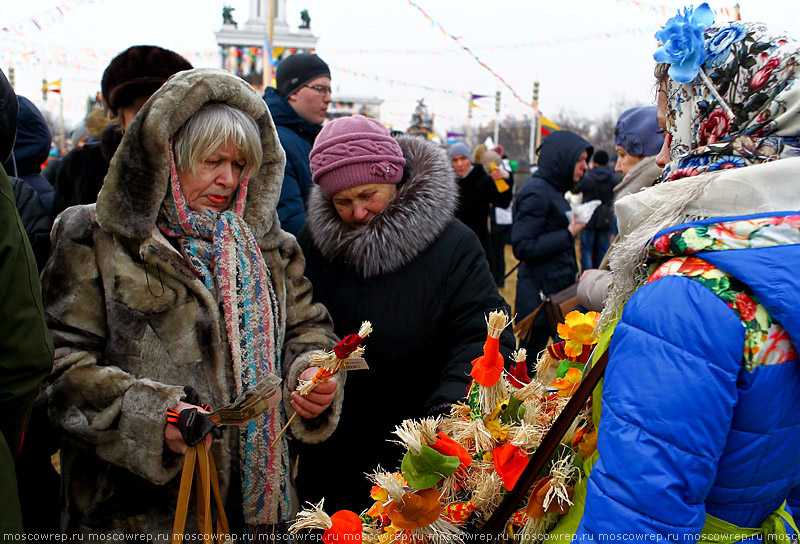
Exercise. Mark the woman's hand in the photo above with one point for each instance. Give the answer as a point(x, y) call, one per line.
point(499, 173)
point(318, 400)
point(575, 227)
point(173, 437)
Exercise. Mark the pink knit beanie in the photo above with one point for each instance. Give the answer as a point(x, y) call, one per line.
point(352, 151)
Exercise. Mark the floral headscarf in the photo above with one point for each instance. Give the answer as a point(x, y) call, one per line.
point(754, 73)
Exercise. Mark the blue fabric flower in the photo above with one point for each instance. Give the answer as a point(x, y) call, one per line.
point(723, 162)
point(719, 46)
point(684, 44)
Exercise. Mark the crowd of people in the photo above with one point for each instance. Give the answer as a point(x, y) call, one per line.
point(207, 236)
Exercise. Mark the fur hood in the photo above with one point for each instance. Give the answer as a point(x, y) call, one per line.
point(424, 205)
point(138, 176)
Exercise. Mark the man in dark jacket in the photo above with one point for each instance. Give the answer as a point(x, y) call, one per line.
point(26, 350)
point(597, 184)
point(542, 237)
point(128, 81)
point(298, 107)
point(31, 149)
point(382, 245)
point(477, 190)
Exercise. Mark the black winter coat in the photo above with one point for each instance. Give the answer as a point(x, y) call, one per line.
point(81, 173)
point(476, 192)
point(598, 184)
point(539, 237)
point(35, 219)
point(423, 281)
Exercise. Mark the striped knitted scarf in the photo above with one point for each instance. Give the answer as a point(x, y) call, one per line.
point(224, 254)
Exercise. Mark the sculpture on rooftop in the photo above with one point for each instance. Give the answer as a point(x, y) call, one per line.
point(227, 16)
point(306, 19)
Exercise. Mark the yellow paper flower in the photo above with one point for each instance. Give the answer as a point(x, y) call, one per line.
point(578, 331)
point(498, 430)
point(390, 534)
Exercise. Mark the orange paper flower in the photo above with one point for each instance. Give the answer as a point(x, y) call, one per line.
point(569, 383)
point(416, 510)
point(346, 528)
point(509, 462)
point(578, 331)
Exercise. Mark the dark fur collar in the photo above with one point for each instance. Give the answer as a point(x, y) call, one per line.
point(423, 207)
point(137, 178)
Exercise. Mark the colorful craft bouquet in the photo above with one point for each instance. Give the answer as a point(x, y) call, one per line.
point(456, 469)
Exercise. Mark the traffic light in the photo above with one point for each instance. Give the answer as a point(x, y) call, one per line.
point(497, 102)
point(44, 90)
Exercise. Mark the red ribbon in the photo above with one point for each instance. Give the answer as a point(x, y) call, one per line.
point(347, 346)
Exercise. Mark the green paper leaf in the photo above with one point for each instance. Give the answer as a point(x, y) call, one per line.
point(512, 412)
point(427, 468)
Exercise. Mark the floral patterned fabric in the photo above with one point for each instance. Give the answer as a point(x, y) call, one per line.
point(755, 72)
point(738, 234)
point(766, 341)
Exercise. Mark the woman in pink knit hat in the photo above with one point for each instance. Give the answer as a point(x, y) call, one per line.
point(382, 244)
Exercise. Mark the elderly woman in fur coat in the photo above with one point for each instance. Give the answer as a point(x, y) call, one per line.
point(382, 244)
point(180, 277)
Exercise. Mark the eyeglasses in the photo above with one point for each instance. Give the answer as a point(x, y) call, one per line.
point(321, 89)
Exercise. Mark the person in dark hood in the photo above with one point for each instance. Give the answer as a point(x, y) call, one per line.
point(31, 149)
point(32, 192)
point(382, 244)
point(477, 190)
point(542, 237)
point(298, 106)
point(597, 184)
point(128, 81)
point(26, 350)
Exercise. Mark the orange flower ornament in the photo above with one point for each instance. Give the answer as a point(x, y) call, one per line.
point(578, 331)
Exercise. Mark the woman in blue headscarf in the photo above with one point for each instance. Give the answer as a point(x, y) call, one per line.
point(698, 425)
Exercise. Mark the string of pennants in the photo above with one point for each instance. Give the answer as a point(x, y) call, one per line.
point(730, 13)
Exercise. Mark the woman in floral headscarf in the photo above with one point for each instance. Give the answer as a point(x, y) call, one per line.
point(700, 409)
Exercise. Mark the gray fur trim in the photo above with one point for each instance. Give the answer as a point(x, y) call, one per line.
point(137, 179)
point(423, 207)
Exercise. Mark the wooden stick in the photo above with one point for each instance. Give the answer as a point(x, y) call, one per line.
point(280, 434)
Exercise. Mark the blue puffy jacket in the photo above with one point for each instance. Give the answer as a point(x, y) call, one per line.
point(685, 429)
point(297, 137)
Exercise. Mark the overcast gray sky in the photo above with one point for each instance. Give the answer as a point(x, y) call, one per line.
point(587, 54)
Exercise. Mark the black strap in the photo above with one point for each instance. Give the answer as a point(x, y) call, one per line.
point(496, 524)
point(512, 270)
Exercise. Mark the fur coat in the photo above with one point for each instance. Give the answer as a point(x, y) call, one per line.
point(421, 277)
point(133, 324)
